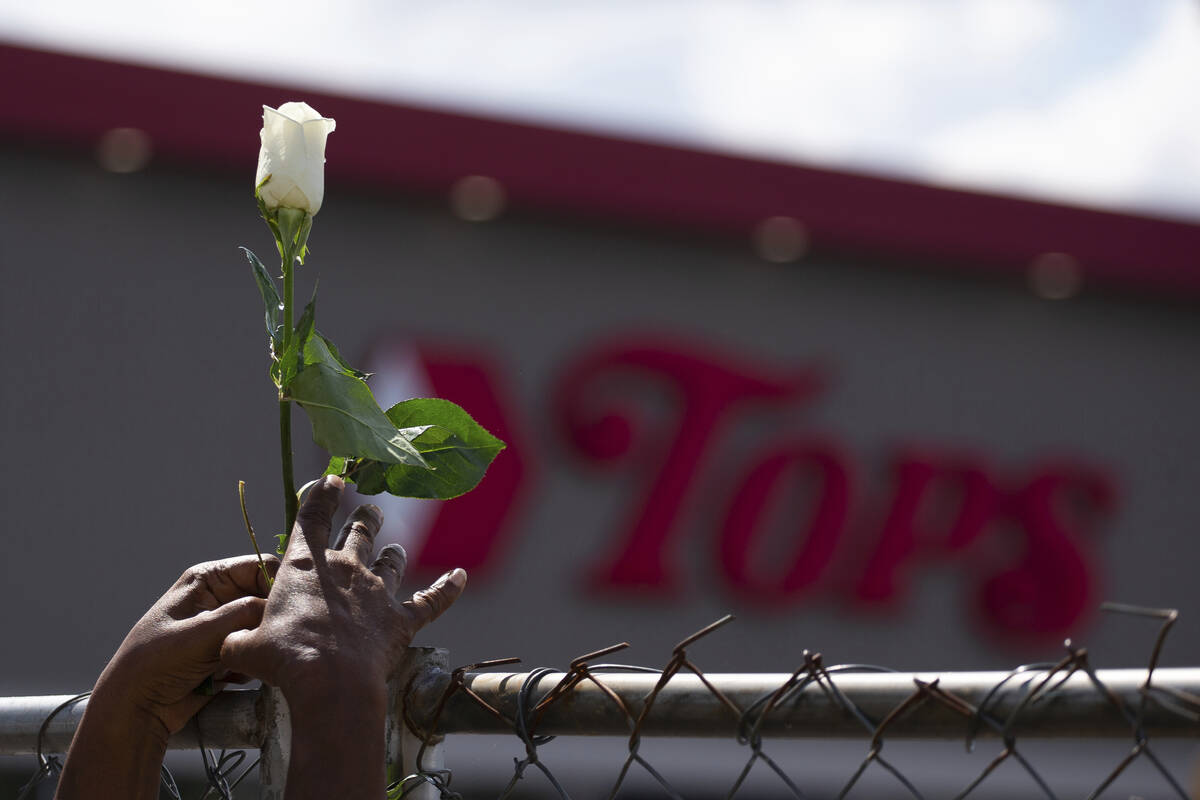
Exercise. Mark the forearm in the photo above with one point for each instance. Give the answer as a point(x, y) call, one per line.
point(117, 751)
point(337, 741)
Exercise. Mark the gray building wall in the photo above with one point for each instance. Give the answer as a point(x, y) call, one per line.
point(136, 396)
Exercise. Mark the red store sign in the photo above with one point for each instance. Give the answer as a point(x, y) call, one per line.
point(1023, 533)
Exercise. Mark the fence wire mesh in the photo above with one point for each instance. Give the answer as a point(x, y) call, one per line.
point(1009, 710)
point(1026, 687)
point(220, 767)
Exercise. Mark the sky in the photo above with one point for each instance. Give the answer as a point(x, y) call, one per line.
point(1089, 102)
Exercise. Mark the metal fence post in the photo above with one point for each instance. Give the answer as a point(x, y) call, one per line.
point(276, 746)
point(421, 666)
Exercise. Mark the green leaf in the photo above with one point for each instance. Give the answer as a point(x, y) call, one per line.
point(270, 295)
point(296, 357)
point(456, 447)
point(345, 418)
point(319, 350)
point(371, 477)
point(331, 352)
point(310, 346)
point(281, 543)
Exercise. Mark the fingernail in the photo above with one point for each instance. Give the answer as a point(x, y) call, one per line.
point(334, 482)
point(457, 576)
point(373, 511)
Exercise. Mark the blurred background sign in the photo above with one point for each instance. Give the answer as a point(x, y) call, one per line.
point(842, 404)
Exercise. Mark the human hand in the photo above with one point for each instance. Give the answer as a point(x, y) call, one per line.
point(147, 691)
point(176, 645)
point(332, 623)
point(332, 633)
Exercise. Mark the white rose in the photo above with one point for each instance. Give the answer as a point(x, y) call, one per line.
point(293, 157)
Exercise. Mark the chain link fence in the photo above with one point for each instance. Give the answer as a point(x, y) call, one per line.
point(865, 706)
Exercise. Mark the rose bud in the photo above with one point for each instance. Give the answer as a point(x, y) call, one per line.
point(291, 163)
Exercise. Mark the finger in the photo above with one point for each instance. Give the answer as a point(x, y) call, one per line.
point(243, 613)
point(358, 534)
point(232, 578)
point(339, 541)
point(214, 583)
point(310, 535)
point(390, 566)
point(429, 604)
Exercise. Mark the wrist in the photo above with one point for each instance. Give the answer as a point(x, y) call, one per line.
point(327, 681)
point(117, 746)
point(342, 716)
point(126, 712)
point(328, 691)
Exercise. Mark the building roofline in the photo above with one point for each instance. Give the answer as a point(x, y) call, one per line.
point(212, 121)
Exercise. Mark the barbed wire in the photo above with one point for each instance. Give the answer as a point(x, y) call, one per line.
point(1029, 685)
point(217, 768)
point(1012, 700)
point(50, 766)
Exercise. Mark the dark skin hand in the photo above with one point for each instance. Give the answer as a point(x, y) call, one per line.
point(329, 636)
point(332, 632)
point(146, 692)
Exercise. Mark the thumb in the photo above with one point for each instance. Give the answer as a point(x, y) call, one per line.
point(236, 652)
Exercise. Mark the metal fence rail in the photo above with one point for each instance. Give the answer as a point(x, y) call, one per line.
point(687, 707)
point(428, 701)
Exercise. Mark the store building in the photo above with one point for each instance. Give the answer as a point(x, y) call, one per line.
point(894, 423)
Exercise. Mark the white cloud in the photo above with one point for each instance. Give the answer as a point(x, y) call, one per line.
point(1130, 135)
point(1050, 97)
point(1009, 28)
point(853, 82)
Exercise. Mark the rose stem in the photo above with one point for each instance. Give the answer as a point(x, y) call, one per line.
point(290, 503)
point(253, 539)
